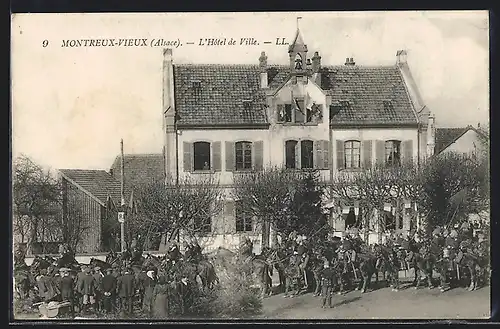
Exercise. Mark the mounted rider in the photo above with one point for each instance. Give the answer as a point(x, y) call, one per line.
point(303, 253)
point(173, 253)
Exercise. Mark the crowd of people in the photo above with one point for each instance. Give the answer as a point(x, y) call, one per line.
point(460, 257)
point(123, 285)
point(130, 281)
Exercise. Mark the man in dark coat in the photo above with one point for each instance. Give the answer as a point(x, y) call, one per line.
point(149, 286)
point(108, 288)
point(125, 287)
point(327, 284)
point(140, 282)
point(87, 287)
point(66, 285)
point(174, 253)
point(98, 294)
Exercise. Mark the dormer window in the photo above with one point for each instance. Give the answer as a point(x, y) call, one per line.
point(247, 105)
point(196, 85)
point(334, 110)
point(388, 106)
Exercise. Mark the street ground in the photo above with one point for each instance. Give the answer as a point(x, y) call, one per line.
point(383, 303)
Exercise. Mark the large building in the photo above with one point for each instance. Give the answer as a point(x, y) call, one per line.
point(226, 119)
point(222, 120)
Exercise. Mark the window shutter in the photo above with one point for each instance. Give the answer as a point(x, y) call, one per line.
point(188, 156)
point(407, 151)
point(340, 154)
point(280, 112)
point(216, 149)
point(230, 156)
point(258, 148)
point(367, 154)
point(318, 149)
point(380, 152)
point(297, 155)
point(327, 158)
point(229, 217)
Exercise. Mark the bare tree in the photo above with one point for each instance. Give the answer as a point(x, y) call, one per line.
point(35, 194)
point(37, 207)
point(266, 195)
point(173, 209)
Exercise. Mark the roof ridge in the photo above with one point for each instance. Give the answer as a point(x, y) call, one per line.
point(81, 169)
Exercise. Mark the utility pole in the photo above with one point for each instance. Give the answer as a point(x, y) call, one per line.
point(122, 205)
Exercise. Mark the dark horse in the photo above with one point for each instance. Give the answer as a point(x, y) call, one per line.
point(422, 262)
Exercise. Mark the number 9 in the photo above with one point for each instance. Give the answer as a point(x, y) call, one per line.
point(45, 43)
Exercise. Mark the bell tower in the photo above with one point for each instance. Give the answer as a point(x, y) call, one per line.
point(297, 52)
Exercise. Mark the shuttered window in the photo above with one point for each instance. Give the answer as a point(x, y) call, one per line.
point(340, 155)
point(216, 165)
point(229, 156)
point(367, 154)
point(259, 155)
point(290, 154)
point(352, 154)
point(407, 151)
point(243, 153)
point(201, 155)
point(318, 148)
point(306, 154)
point(393, 153)
point(327, 158)
point(188, 156)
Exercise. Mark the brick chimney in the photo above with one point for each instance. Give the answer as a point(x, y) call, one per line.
point(349, 61)
point(431, 135)
point(401, 56)
point(263, 70)
point(316, 62)
point(169, 131)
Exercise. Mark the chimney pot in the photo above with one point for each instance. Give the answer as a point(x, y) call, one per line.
point(111, 171)
point(316, 62)
point(167, 54)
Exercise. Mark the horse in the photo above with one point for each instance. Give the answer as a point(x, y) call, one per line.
point(95, 262)
point(23, 280)
point(422, 262)
point(366, 264)
point(470, 262)
point(276, 260)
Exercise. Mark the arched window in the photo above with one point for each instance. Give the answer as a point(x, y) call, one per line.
point(298, 62)
point(201, 155)
point(306, 154)
point(290, 154)
point(352, 154)
point(393, 153)
point(243, 153)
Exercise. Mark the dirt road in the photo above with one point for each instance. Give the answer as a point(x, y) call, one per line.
point(384, 304)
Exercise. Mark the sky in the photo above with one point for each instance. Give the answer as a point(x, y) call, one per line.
point(71, 106)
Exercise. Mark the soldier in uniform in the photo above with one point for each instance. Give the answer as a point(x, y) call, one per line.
point(66, 287)
point(327, 284)
point(174, 253)
point(303, 253)
point(195, 247)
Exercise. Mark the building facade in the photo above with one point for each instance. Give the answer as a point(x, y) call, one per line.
point(225, 119)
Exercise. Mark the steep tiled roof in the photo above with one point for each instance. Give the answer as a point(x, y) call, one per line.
point(446, 136)
point(139, 168)
point(220, 95)
point(99, 183)
point(222, 89)
point(366, 89)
